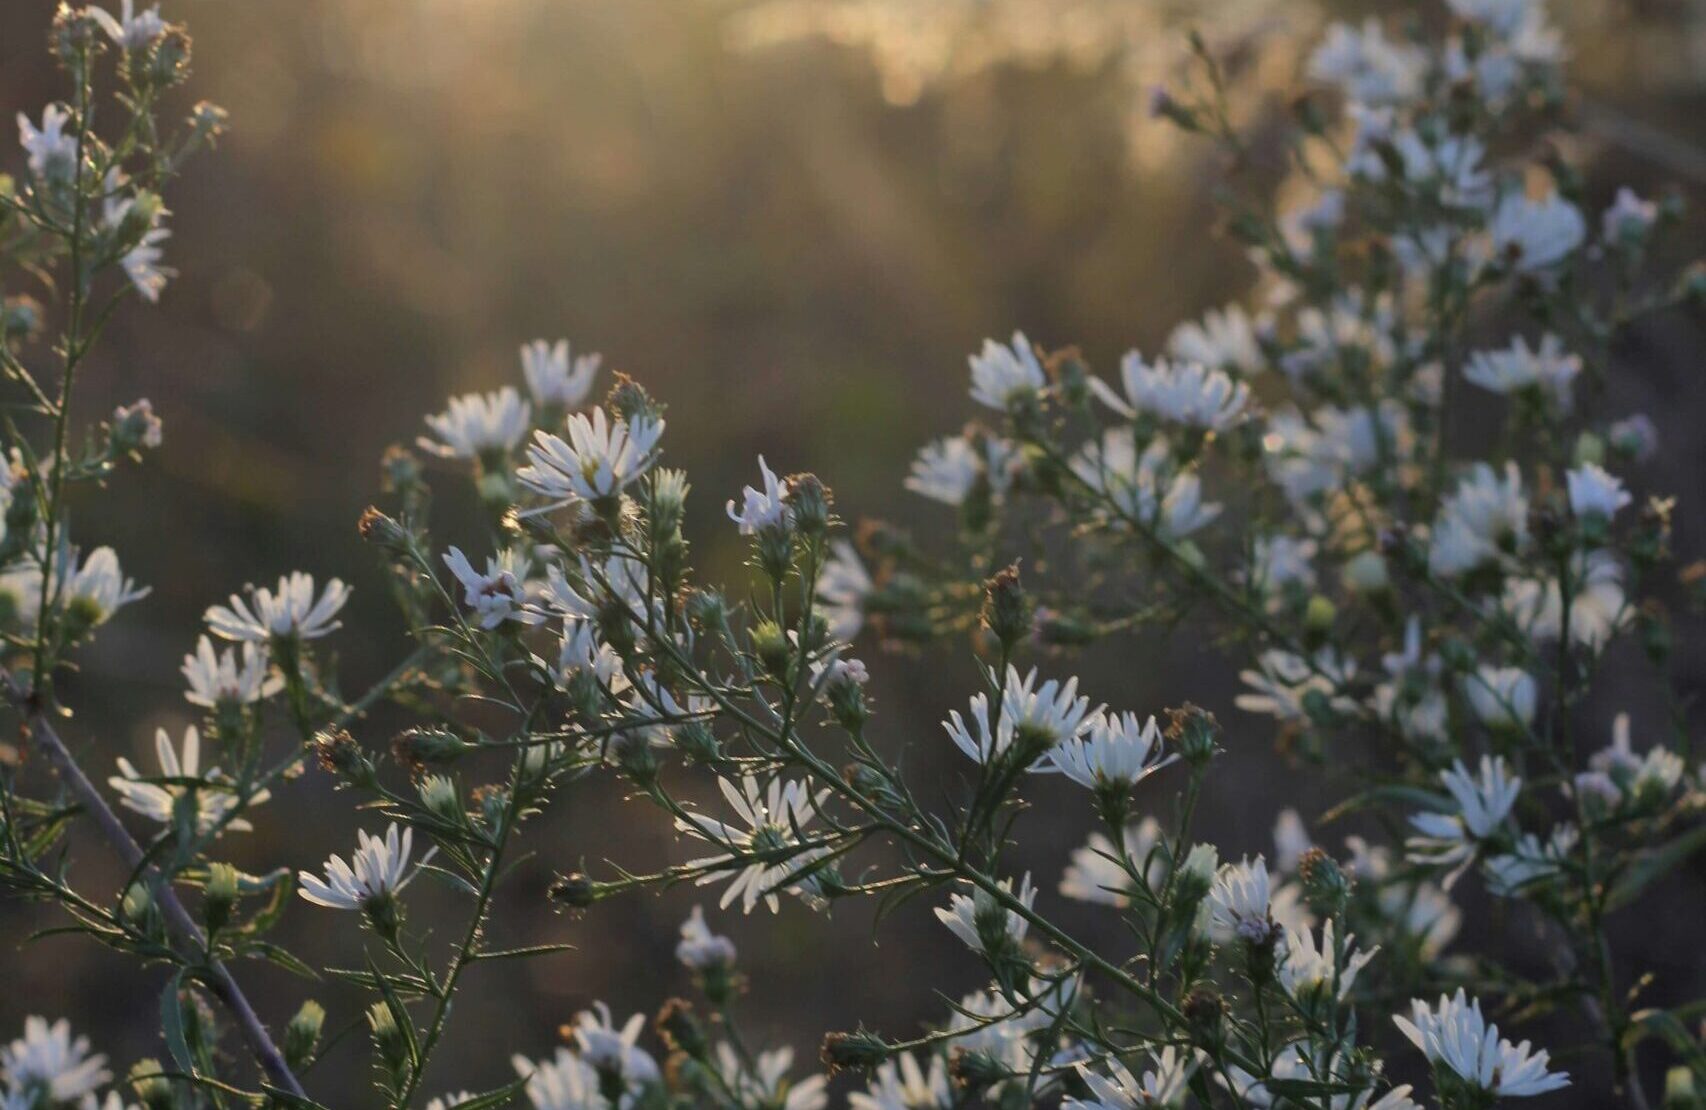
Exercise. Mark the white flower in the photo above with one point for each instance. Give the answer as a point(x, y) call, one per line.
point(1307, 972)
point(98, 588)
point(1628, 218)
point(1369, 68)
point(842, 586)
point(1502, 697)
point(52, 153)
point(137, 424)
point(1238, 901)
point(47, 1058)
point(1450, 164)
point(582, 652)
point(1117, 751)
point(500, 593)
point(1002, 377)
point(1225, 339)
point(1291, 840)
point(132, 29)
point(1533, 234)
point(1279, 561)
point(552, 379)
point(1162, 1085)
point(141, 263)
point(1044, 715)
point(1598, 605)
point(900, 1084)
point(1530, 863)
point(1453, 1034)
point(290, 611)
point(977, 915)
point(477, 425)
point(1595, 493)
point(1656, 773)
point(216, 678)
point(765, 1082)
point(564, 1083)
point(763, 509)
point(378, 869)
point(1144, 487)
point(1635, 436)
point(1095, 873)
point(1481, 806)
point(1549, 368)
point(1485, 516)
point(615, 1052)
point(771, 816)
point(700, 948)
point(946, 470)
point(214, 799)
point(598, 461)
point(1187, 393)
point(1284, 685)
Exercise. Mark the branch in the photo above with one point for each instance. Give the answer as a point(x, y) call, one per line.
point(218, 978)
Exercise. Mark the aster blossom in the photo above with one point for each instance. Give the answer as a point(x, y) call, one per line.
point(1239, 900)
point(699, 948)
point(1454, 1035)
point(48, 1059)
point(497, 594)
point(378, 870)
point(765, 855)
point(1116, 751)
point(131, 29)
point(1162, 1085)
point(553, 377)
point(291, 611)
point(1187, 393)
point(1003, 377)
point(240, 675)
point(1307, 972)
point(214, 797)
point(599, 460)
point(982, 920)
point(52, 153)
point(762, 510)
point(1480, 805)
point(478, 425)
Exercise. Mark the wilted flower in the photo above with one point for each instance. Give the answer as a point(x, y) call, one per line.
point(1452, 1034)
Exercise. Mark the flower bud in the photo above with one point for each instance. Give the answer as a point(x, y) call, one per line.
point(575, 890)
point(439, 798)
point(680, 1029)
point(148, 1082)
point(770, 645)
point(377, 528)
point(1193, 733)
point(1325, 883)
point(169, 62)
point(974, 1071)
point(302, 1035)
point(706, 609)
point(419, 748)
point(1366, 573)
point(219, 895)
point(20, 318)
point(337, 753)
point(388, 1040)
point(856, 1051)
point(1007, 609)
point(630, 400)
point(810, 501)
point(1204, 1008)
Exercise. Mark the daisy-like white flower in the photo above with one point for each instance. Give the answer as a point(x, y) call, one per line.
point(1095, 873)
point(478, 425)
point(1238, 901)
point(700, 948)
point(1533, 234)
point(159, 801)
point(765, 1083)
point(1145, 487)
point(290, 612)
point(98, 588)
point(1117, 752)
point(1502, 697)
point(1162, 1085)
point(1626, 774)
point(1283, 685)
point(1224, 339)
point(49, 1060)
point(1481, 806)
point(1595, 493)
point(131, 29)
point(946, 470)
point(771, 815)
point(1187, 393)
point(1046, 715)
point(1291, 840)
point(553, 379)
point(599, 460)
point(218, 678)
point(52, 153)
point(1629, 218)
point(378, 870)
point(1004, 377)
point(983, 922)
point(762, 509)
point(1531, 863)
point(137, 425)
point(1598, 605)
point(1548, 367)
point(1279, 561)
point(1370, 68)
point(842, 586)
point(565, 1082)
point(141, 263)
point(1454, 1035)
point(581, 652)
point(901, 1084)
point(616, 1052)
point(500, 593)
point(1486, 515)
point(1308, 972)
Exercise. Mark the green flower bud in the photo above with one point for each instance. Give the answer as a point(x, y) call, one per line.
point(302, 1035)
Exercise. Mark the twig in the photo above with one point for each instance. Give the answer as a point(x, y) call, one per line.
point(217, 977)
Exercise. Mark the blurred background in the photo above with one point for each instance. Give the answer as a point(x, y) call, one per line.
point(789, 219)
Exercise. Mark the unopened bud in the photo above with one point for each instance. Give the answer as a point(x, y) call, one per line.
point(680, 1029)
point(302, 1035)
point(1193, 732)
point(1007, 609)
point(810, 501)
point(859, 1050)
point(419, 748)
point(377, 528)
point(575, 890)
